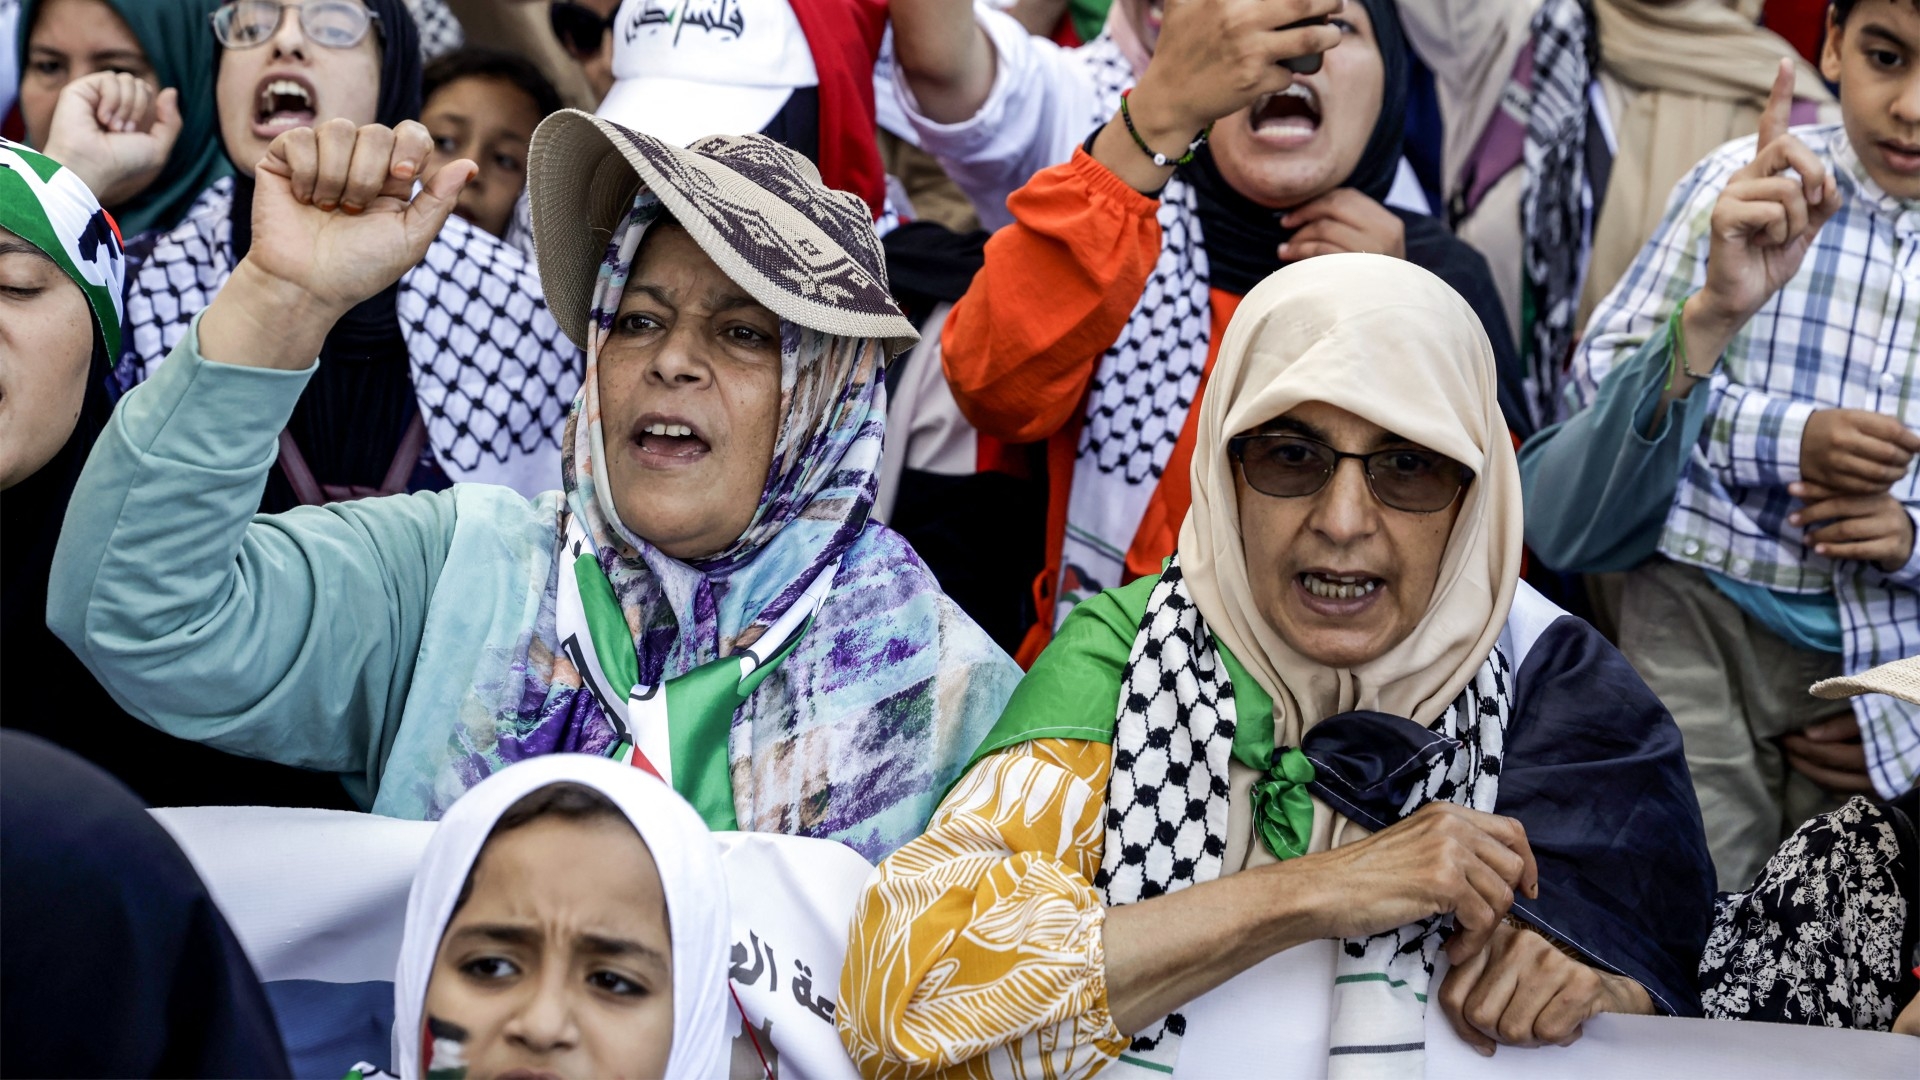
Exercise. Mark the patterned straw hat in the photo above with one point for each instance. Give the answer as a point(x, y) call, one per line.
point(758, 209)
point(1900, 679)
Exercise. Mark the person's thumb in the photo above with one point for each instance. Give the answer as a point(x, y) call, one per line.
point(428, 212)
point(166, 118)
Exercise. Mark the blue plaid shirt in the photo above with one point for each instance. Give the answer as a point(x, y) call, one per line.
point(1844, 333)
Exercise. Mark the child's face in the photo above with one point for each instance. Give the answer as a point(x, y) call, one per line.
point(488, 121)
point(1875, 58)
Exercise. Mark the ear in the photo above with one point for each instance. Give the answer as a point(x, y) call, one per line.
point(1830, 49)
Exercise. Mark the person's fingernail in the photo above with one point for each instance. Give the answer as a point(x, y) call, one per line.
point(1485, 1051)
point(1793, 519)
point(327, 204)
point(404, 170)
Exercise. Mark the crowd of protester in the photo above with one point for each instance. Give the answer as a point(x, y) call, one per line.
point(923, 425)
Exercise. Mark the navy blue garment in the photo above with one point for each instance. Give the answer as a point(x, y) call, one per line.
point(1593, 767)
point(116, 961)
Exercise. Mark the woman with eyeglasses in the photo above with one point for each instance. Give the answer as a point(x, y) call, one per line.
point(457, 373)
point(1337, 713)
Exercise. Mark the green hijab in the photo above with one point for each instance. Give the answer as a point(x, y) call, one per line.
point(178, 38)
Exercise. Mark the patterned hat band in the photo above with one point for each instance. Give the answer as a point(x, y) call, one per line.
point(757, 209)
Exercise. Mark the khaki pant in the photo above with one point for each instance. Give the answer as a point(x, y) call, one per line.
point(1734, 687)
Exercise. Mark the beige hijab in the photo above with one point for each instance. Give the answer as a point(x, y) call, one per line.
point(1392, 344)
point(1687, 76)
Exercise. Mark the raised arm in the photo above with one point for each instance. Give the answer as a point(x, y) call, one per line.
point(944, 55)
point(290, 637)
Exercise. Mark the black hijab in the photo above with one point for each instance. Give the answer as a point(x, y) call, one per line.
point(117, 961)
point(354, 413)
point(1243, 238)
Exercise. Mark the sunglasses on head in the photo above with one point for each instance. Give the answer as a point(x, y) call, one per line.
point(579, 29)
point(1405, 478)
point(335, 24)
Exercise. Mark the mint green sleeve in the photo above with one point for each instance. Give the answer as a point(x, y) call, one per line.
point(290, 637)
point(1598, 486)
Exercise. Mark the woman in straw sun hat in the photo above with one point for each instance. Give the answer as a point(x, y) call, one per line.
point(1829, 931)
point(704, 596)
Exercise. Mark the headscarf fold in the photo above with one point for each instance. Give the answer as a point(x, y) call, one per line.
point(1325, 331)
point(690, 877)
point(180, 45)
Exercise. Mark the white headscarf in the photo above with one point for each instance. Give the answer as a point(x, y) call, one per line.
point(690, 878)
point(1392, 344)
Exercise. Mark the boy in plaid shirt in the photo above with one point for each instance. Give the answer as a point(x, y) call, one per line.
point(1762, 350)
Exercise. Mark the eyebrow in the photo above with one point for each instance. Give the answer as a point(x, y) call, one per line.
point(1886, 34)
point(1287, 425)
point(603, 945)
point(720, 299)
point(21, 247)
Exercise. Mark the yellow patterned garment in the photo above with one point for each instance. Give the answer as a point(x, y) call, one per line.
point(977, 950)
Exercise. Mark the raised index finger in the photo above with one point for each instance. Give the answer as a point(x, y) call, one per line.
point(1778, 115)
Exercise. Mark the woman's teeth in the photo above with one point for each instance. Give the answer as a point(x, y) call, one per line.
point(1339, 588)
point(675, 430)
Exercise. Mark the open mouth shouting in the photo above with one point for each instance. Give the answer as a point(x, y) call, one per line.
point(667, 442)
point(1288, 119)
point(1337, 593)
point(281, 103)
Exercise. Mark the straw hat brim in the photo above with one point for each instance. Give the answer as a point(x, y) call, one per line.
point(1900, 679)
point(582, 175)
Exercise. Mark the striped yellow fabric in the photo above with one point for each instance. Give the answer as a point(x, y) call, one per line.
point(977, 950)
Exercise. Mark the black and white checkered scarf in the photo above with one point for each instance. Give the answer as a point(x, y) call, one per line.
point(1167, 809)
point(493, 373)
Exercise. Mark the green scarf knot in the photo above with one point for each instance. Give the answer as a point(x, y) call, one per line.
point(1282, 808)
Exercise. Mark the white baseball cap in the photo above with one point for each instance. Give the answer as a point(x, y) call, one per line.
point(684, 69)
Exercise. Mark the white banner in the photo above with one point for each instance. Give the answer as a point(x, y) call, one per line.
point(320, 896)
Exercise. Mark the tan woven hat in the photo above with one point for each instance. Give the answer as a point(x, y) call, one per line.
point(758, 209)
point(1900, 679)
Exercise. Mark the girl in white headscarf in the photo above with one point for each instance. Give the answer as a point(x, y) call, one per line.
point(1335, 713)
point(568, 917)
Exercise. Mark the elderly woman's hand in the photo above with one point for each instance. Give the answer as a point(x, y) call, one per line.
point(335, 220)
point(1523, 991)
point(1445, 859)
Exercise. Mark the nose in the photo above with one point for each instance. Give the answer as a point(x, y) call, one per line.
point(1906, 107)
point(289, 40)
point(1345, 512)
point(545, 1023)
point(678, 363)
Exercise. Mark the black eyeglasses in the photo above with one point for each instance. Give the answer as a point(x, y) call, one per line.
point(1405, 478)
point(336, 24)
point(579, 29)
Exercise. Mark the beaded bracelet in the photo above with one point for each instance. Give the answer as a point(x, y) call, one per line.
point(1679, 335)
point(1159, 158)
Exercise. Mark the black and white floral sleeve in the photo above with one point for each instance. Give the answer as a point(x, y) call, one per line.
point(1826, 934)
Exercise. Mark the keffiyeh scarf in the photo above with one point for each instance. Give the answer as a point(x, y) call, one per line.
point(1167, 809)
point(492, 370)
point(1556, 208)
point(1143, 386)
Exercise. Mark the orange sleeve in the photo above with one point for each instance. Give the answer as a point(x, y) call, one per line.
point(1056, 291)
